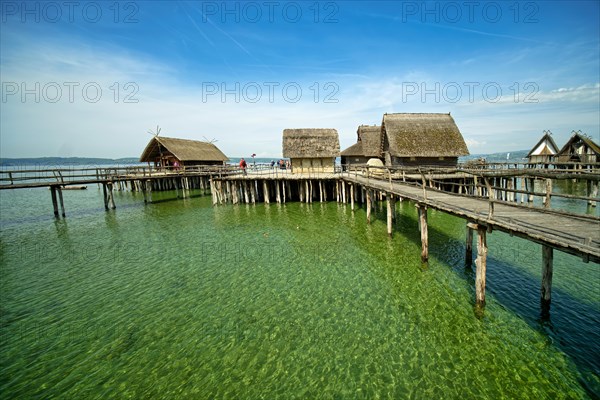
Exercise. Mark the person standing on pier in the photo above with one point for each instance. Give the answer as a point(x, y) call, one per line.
point(243, 166)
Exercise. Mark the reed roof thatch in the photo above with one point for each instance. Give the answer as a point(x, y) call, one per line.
point(576, 140)
point(310, 143)
point(355, 150)
point(370, 136)
point(368, 142)
point(545, 147)
point(423, 135)
point(182, 149)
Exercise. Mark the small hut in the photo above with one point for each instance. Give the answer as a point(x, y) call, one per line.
point(421, 140)
point(367, 146)
point(311, 150)
point(165, 152)
point(544, 151)
point(580, 149)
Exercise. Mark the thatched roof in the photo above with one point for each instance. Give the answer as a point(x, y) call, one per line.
point(370, 136)
point(355, 150)
point(575, 138)
point(310, 143)
point(423, 135)
point(368, 142)
point(183, 149)
point(545, 147)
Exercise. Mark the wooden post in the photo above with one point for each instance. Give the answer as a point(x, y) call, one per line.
point(149, 190)
point(245, 190)
point(389, 214)
point(266, 191)
point(469, 246)
point(424, 236)
point(530, 189)
point(320, 191)
point(344, 192)
point(548, 193)
point(104, 197)
point(54, 202)
point(547, 261)
point(594, 193)
point(481, 263)
point(60, 199)
point(490, 198)
point(368, 206)
point(352, 196)
point(111, 199)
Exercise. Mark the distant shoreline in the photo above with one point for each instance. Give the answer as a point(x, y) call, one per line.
point(495, 157)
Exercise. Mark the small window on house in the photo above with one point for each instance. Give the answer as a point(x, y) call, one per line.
point(413, 159)
point(441, 158)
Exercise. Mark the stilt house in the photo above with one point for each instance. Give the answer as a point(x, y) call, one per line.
point(421, 140)
point(580, 148)
point(165, 152)
point(368, 145)
point(311, 150)
point(544, 151)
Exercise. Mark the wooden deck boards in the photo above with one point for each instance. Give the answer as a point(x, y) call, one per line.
point(575, 235)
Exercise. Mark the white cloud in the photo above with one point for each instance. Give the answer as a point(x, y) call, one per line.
point(118, 129)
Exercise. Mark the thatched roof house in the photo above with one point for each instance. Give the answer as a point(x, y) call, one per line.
point(368, 145)
point(580, 148)
point(544, 150)
point(165, 151)
point(421, 139)
point(311, 150)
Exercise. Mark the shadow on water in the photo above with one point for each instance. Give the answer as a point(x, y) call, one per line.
point(571, 324)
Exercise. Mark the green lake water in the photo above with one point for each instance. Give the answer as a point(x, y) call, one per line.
point(180, 299)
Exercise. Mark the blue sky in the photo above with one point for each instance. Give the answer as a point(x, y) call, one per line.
point(91, 78)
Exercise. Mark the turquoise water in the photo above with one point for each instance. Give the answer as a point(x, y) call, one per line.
point(178, 299)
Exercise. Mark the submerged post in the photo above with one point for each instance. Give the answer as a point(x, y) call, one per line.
point(481, 264)
point(368, 206)
point(60, 199)
point(469, 246)
point(389, 213)
point(424, 237)
point(111, 198)
point(54, 202)
point(547, 261)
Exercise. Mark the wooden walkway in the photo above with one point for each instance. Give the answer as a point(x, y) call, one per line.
point(578, 235)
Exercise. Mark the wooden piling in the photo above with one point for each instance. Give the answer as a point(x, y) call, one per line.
point(547, 267)
point(111, 198)
point(54, 201)
point(424, 234)
point(277, 192)
point(104, 197)
point(481, 264)
point(352, 197)
point(368, 195)
point(548, 193)
point(60, 199)
point(469, 245)
point(592, 192)
point(389, 214)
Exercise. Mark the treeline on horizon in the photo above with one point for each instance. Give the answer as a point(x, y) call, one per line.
point(495, 157)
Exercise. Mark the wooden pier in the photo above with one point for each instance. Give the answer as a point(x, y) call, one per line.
point(488, 199)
